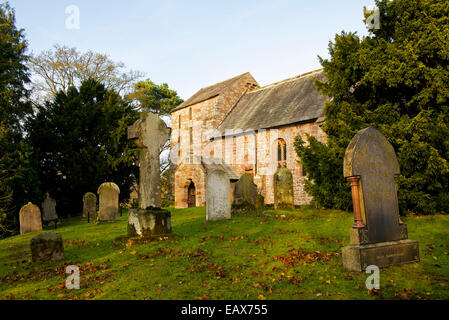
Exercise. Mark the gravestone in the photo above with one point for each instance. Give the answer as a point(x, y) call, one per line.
point(47, 247)
point(245, 195)
point(30, 218)
point(378, 236)
point(89, 207)
point(49, 209)
point(109, 202)
point(150, 134)
point(283, 189)
point(218, 196)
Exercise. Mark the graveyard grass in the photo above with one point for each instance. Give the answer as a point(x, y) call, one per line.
point(257, 255)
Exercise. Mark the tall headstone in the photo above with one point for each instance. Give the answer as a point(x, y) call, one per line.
point(245, 194)
point(109, 202)
point(49, 209)
point(150, 134)
point(283, 189)
point(89, 207)
point(30, 218)
point(378, 236)
point(218, 196)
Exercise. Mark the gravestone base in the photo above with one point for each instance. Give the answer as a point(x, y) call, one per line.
point(242, 207)
point(47, 247)
point(152, 222)
point(360, 236)
point(385, 254)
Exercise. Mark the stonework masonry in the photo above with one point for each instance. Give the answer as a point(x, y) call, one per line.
point(195, 135)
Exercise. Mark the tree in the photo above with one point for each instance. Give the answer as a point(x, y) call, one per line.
point(13, 71)
point(80, 141)
point(395, 79)
point(63, 67)
point(155, 98)
point(18, 183)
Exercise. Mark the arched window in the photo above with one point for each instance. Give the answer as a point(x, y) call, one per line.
point(282, 153)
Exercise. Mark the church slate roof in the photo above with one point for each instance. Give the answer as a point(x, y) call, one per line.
point(291, 101)
point(213, 91)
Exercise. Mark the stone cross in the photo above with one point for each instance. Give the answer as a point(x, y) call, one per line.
point(150, 134)
point(371, 166)
point(218, 196)
point(49, 209)
point(30, 218)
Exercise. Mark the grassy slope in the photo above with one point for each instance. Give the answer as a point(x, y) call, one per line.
point(245, 258)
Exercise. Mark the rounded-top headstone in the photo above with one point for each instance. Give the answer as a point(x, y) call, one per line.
point(372, 158)
point(89, 206)
point(109, 202)
point(245, 193)
point(30, 218)
point(370, 152)
point(283, 189)
point(218, 196)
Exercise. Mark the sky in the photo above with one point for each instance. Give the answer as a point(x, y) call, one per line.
point(192, 44)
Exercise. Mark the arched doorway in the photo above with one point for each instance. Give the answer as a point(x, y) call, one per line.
point(191, 195)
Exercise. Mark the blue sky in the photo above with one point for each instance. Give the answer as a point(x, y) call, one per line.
point(191, 44)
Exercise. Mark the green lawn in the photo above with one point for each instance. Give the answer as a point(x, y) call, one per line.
point(259, 255)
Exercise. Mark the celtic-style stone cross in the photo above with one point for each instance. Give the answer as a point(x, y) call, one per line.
point(150, 134)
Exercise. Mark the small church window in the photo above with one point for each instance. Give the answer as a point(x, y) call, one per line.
point(282, 153)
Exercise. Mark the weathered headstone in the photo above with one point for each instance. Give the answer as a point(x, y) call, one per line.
point(47, 247)
point(218, 196)
point(378, 236)
point(30, 219)
point(149, 223)
point(150, 134)
point(49, 209)
point(109, 202)
point(245, 194)
point(89, 207)
point(283, 189)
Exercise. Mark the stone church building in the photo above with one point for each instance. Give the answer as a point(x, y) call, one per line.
point(240, 127)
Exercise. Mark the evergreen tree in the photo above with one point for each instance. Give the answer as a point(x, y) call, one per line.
point(396, 79)
point(18, 183)
point(80, 141)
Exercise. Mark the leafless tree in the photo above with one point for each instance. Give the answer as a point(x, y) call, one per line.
point(62, 67)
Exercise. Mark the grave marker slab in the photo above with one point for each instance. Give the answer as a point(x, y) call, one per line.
point(245, 195)
point(218, 196)
point(378, 235)
point(89, 207)
point(49, 209)
point(109, 202)
point(30, 219)
point(47, 247)
point(283, 189)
